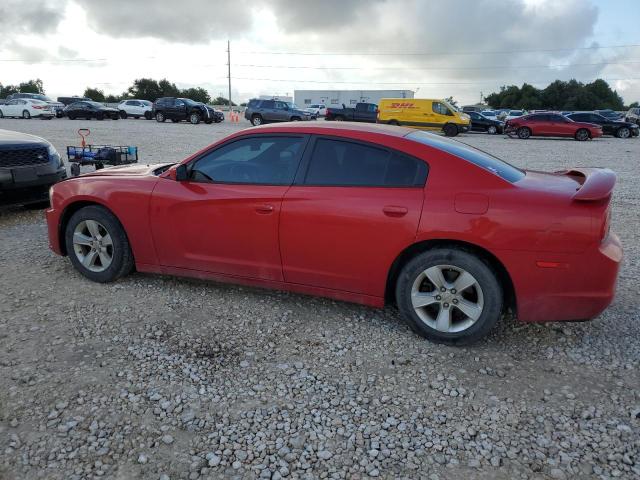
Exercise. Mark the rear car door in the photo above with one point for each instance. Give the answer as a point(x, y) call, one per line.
point(224, 218)
point(352, 210)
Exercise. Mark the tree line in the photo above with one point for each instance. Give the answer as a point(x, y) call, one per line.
point(559, 95)
point(142, 88)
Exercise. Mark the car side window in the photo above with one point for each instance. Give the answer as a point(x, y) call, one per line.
point(268, 104)
point(179, 103)
point(343, 163)
point(441, 109)
point(259, 160)
point(280, 105)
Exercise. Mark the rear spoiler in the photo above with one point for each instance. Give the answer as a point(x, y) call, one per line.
point(596, 183)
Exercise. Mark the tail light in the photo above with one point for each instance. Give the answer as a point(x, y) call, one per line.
point(37, 107)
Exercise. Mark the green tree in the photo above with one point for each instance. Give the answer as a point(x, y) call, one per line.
point(634, 105)
point(145, 89)
point(31, 86)
point(168, 89)
point(197, 94)
point(7, 90)
point(222, 101)
point(94, 94)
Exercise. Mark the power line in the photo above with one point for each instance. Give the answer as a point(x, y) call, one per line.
point(498, 52)
point(494, 67)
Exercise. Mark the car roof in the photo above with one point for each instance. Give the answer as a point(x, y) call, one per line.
point(327, 128)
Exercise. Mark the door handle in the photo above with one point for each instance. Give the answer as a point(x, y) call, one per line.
point(264, 208)
point(395, 211)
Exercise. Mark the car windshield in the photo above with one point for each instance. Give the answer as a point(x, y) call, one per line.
point(188, 101)
point(470, 154)
point(292, 106)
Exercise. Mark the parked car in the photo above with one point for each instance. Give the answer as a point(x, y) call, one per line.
point(339, 210)
point(551, 125)
point(610, 114)
point(218, 115)
point(480, 123)
point(136, 108)
point(424, 113)
point(616, 128)
point(89, 110)
point(260, 111)
point(178, 109)
point(26, 108)
point(362, 112)
point(514, 114)
point(317, 109)
point(56, 107)
point(492, 114)
point(29, 165)
point(633, 115)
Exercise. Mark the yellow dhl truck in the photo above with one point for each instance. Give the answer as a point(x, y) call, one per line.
point(423, 113)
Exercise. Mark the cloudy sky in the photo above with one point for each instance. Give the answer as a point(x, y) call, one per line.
point(437, 48)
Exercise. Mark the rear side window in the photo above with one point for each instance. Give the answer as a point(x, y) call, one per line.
point(349, 164)
point(470, 154)
point(268, 104)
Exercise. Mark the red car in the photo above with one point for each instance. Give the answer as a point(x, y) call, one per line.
point(551, 125)
point(364, 213)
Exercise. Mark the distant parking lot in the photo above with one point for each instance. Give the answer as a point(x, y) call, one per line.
point(154, 376)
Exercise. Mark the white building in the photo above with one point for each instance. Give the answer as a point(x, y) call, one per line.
point(284, 98)
point(335, 98)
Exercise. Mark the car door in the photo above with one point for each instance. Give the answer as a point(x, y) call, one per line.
point(476, 121)
point(224, 218)
point(11, 108)
point(281, 112)
point(562, 126)
point(353, 208)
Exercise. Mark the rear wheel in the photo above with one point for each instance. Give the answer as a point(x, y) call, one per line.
point(97, 245)
point(582, 135)
point(523, 133)
point(623, 132)
point(26, 115)
point(393, 122)
point(450, 130)
point(256, 120)
point(1, 114)
point(160, 117)
point(147, 115)
point(449, 296)
point(339, 118)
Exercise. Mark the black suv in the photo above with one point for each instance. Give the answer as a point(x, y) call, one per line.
point(178, 109)
point(29, 165)
point(266, 111)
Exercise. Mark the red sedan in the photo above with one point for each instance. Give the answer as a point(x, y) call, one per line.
point(364, 213)
point(551, 125)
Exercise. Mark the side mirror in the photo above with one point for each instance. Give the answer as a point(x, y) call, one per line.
point(182, 173)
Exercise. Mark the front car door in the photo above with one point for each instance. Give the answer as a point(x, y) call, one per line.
point(353, 208)
point(11, 108)
point(224, 218)
point(281, 112)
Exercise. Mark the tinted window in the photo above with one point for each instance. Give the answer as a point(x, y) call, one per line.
point(558, 118)
point(267, 104)
point(470, 154)
point(580, 117)
point(340, 163)
point(256, 160)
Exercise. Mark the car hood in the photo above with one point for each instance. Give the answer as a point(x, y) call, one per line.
point(138, 170)
point(9, 138)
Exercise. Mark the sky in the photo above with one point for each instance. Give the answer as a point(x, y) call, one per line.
point(438, 48)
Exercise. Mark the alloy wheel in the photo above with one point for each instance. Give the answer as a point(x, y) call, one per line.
point(93, 246)
point(447, 298)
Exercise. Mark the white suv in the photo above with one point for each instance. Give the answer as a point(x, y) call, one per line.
point(317, 109)
point(26, 108)
point(135, 108)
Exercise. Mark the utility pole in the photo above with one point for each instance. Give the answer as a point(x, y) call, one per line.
point(229, 70)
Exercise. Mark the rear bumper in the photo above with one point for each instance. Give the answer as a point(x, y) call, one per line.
point(566, 287)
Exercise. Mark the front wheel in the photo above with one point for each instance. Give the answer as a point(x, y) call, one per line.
point(97, 245)
point(450, 130)
point(523, 133)
point(194, 119)
point(582, 135)
point(623, 132)
point(449, 296)
point(256, 120)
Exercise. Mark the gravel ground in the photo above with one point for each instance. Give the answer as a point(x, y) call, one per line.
point(166, 378)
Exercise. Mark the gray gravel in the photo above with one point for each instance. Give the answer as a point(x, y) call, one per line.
point(166, 378)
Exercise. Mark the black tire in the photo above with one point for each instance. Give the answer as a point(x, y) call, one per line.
point(623, 132)
point(339, 118)
point(194, 118)
point(123, 114)
point(492, 129)
point(582, 134)
point(160, 117)
point(147, 115)
point(295, 119)
point(100, 116)
point(208, 122)
point(450, 130)
point(482, 272)
point(122, 258)
point(1, 114)
point(26, 115)
point(136, 117)
point(256, 120)
point(75, 169)
point(523, 133)
point(393, 122)
point(71, 116)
